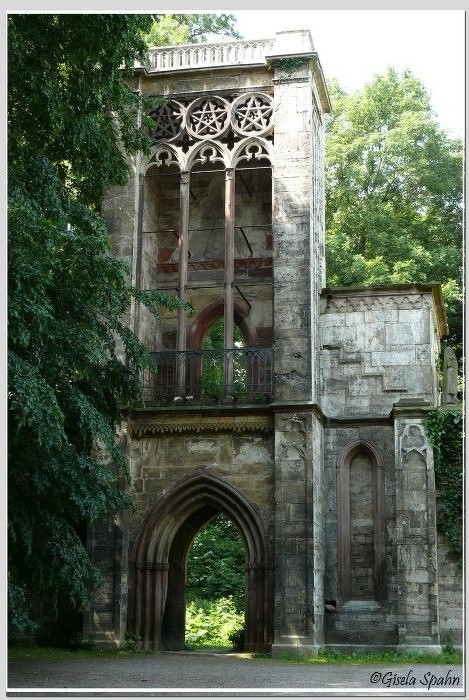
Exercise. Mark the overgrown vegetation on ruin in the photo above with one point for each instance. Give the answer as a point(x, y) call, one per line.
point(445, 432)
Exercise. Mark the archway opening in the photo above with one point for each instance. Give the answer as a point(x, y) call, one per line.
point(214, 362)
point(216, 587)
point(159, 581)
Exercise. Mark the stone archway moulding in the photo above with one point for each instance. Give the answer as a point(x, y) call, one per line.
point(161, 553)
point(211, 313)
point(251, 148)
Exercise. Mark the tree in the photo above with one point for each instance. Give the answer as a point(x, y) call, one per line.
point(216, 563)
point(72, 362)
point(189, 28)
point(393, 191)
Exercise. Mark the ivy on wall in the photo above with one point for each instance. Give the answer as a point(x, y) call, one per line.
point(445, 432)
point(290, 65)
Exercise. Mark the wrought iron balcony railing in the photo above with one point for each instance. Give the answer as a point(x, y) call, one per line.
point(243, 375)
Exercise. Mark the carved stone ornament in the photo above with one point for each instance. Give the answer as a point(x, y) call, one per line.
point(208, 118)
point(252, 151)
point(164, 156)
point(375, 303)
point(198, 424)
point(252, 114)
point(293, 443)
point(413, 440)
point(450, 377)
point(169, 121)
point(208, 154)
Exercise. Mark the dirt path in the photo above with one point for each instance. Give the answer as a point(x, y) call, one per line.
point(163, 674)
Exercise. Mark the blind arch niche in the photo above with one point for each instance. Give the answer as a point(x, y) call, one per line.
point(361, 523)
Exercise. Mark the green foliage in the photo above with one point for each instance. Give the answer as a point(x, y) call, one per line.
point(72, 362)
point(360, 658)
point(168, 29)
point(290, 65)
point(393, 191)
point(215, 588)
point(212, 623)
point(212, 379)
point(445, 431)
point(215, 567)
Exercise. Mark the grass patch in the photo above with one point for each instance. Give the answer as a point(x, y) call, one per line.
point(362, 658)
point(452, 658)
point(59, 653)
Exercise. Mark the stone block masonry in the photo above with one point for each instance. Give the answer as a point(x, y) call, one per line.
point(328, 476)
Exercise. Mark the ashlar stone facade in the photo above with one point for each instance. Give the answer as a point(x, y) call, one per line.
point(309, 433)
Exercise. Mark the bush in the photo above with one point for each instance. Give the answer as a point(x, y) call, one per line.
point(211, 623)
point(237, 639)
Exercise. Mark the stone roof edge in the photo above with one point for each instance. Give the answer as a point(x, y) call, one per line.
point(381, 289)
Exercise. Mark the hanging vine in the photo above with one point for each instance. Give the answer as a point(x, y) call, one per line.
point(445, 432)
point(290, 65)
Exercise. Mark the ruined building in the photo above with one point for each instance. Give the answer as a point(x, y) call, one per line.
point(306, 430)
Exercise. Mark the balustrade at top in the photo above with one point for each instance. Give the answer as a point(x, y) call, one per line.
point(191, 56)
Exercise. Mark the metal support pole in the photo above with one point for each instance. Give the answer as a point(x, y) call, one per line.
point(229, 274)
point(183, 256)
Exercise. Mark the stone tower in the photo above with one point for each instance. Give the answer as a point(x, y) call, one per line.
point(305, 428)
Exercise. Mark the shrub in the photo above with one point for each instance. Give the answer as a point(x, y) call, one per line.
point(210, 623)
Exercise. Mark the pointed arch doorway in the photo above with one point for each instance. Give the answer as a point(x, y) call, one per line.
point(161, 556)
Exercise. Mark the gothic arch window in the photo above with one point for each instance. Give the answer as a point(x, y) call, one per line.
point(361, 523)
point(210, 315)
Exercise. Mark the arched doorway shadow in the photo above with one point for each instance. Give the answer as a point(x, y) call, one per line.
point(161, 555)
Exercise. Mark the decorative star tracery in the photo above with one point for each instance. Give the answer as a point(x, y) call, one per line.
point(207, 117)
point(168, 119)
point(210, 117)
point(253, 114)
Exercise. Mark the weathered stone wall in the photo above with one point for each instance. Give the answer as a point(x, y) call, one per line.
point(299, 533)
point(296, 277)
point(202, 82)
point(378, 345)
point(353, 367)
point(243, 459)
point(450, 600)
point(359, 621)
point(239, 449)
point(416, 535)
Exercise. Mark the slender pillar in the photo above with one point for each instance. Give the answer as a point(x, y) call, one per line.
point(138, 267)
point(416, 539)
point(183, 258)
point(229, 272)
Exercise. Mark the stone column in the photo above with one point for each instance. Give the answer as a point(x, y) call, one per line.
point(299, 534)
point(105, 619)
point(121, 211)
point(298, 231)
point(298, 200)
point(416, 536)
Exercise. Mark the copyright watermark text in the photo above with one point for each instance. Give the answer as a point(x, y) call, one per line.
point(429, 680)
